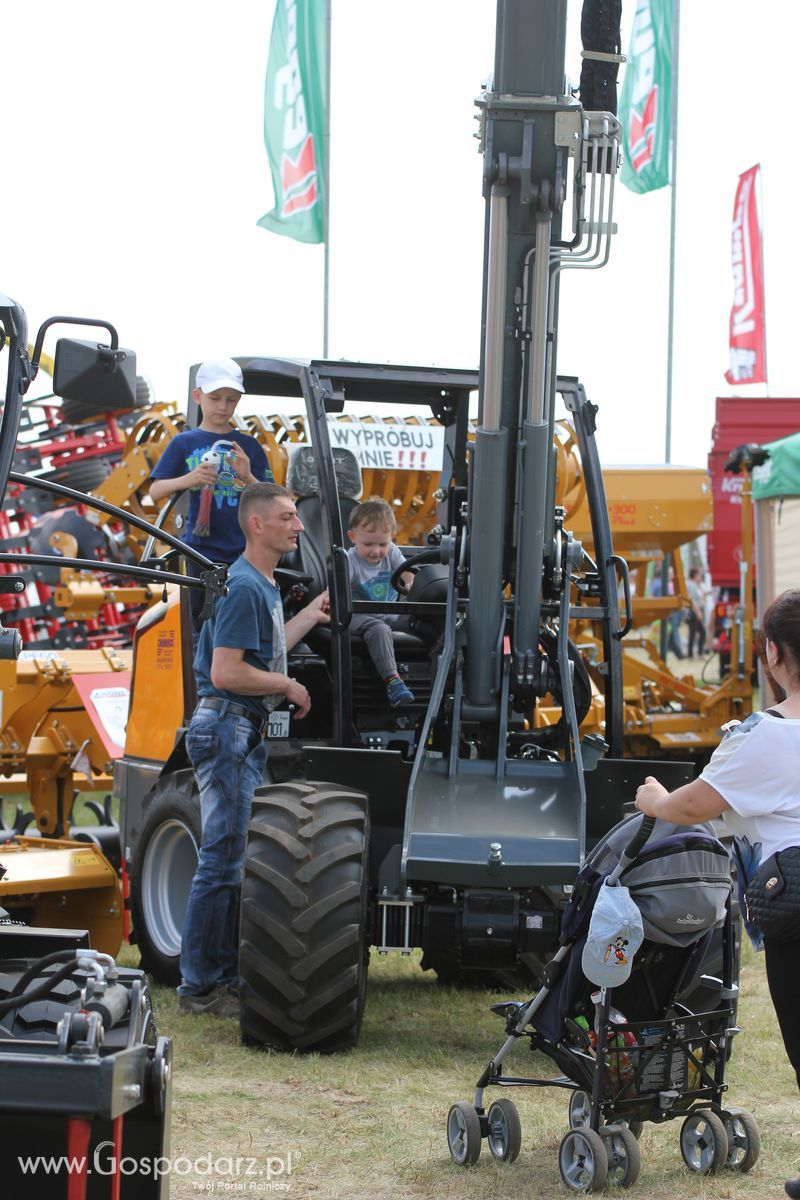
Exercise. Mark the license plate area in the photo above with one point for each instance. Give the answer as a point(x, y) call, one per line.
point(278, 724)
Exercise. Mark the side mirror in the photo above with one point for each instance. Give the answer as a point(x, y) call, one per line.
point(96, 375)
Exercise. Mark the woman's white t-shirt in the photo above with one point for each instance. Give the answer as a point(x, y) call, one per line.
point(756, 769)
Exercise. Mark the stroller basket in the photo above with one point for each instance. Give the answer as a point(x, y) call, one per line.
point(652, 1067)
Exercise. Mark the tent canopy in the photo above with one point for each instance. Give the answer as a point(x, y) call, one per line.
point(780, 474)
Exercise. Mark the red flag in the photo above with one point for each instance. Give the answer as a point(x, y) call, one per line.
point(748, 352)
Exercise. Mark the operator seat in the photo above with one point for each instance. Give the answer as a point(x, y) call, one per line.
point(412, 653)
point(303, 482)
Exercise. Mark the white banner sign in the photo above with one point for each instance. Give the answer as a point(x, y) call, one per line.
point(391, 447)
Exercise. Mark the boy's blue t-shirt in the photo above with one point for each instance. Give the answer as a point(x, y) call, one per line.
point(249, 618)
point(225, 542)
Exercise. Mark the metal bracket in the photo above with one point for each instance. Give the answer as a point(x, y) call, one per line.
point(602, 56)
point(567, 129)
point(520, 168)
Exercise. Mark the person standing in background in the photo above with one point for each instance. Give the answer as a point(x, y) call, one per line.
point(697, 612)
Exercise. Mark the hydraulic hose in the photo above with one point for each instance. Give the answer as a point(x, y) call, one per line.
point(38, 993)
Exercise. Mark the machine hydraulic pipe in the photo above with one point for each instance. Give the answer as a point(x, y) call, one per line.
point(492, 391)
point(537, 377)
point(487, 508)
point(485, 613)
point(534, 447)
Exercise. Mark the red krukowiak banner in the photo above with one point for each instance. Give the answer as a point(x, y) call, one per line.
point(748, 352)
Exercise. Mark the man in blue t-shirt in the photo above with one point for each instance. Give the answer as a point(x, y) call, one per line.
point(214, 463)
point(240, 666)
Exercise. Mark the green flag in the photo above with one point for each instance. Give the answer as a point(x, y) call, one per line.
point(294, 119)
point(645, 106)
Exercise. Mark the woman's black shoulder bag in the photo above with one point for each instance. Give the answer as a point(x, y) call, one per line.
point(773, 896)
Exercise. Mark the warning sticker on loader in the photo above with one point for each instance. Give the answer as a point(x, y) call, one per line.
point(112, 708)
point(84, 858)
point(107, 706)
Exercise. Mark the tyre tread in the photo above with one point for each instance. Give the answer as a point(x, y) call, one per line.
point(303, 984)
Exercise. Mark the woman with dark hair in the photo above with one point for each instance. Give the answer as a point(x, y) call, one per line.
point(752, 783)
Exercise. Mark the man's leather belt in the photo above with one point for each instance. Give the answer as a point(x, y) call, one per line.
point(235, 710)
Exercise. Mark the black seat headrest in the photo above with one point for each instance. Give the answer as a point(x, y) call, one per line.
point(302, 478)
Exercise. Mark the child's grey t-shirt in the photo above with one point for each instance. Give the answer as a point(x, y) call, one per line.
point(371, 581)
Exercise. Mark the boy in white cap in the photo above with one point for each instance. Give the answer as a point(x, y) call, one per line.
point(214, 463)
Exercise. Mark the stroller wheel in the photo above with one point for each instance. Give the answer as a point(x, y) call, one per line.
point(505, 1131)
point(580, 1107)
point(744, 1139)
point(464, 1134)
point(582, 1160)
point(580, 1111)
point(704, 1142)
point(624, 1155)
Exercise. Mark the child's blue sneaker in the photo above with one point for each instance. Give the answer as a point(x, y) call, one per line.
point(398, 693)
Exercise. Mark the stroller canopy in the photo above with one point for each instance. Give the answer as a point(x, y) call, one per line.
point(680, 881)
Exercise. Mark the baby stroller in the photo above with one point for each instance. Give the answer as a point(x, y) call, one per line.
point(633, 1052)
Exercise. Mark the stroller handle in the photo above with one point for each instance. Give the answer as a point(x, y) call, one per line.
point(639, 838)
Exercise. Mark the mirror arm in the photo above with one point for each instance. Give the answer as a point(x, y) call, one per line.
point(107, 353)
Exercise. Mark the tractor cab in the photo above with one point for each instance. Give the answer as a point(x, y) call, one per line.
point(303, 575)
point(327, 480)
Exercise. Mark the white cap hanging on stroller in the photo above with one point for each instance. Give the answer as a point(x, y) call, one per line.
point(615, 934)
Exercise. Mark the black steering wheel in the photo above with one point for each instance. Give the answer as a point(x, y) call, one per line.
point(413, 564)
point(397, 582)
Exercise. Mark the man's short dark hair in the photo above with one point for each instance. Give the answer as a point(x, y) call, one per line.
point(255, 495)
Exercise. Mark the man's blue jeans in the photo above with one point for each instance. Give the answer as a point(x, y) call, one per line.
point(228, 756)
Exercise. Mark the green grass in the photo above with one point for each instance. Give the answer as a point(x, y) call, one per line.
point(371, 1124)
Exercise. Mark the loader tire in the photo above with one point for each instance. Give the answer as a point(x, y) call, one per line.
point(303, 950)
point(162, 867)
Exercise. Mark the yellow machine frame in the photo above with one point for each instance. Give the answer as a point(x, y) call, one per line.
point(50, 748)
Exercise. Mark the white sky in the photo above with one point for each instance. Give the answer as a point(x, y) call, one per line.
point(134, 174)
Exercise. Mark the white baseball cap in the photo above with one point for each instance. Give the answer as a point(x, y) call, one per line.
point(615, 934)
point(219, 373)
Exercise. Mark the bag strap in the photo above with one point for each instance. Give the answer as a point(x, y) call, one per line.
point(742, 873)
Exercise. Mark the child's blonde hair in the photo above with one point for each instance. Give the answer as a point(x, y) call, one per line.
point(374, 511)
